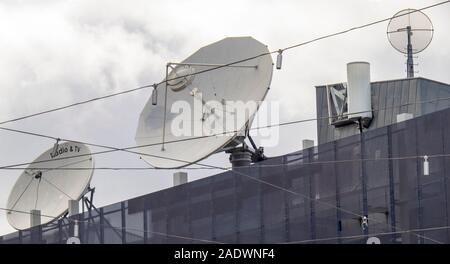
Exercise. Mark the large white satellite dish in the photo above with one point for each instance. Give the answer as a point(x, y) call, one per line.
point(217, 91)
point(47, 186)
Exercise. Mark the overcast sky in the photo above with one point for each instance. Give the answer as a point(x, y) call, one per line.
point(54, 53)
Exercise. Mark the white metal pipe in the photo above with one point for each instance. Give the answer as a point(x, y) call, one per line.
point(212, 65)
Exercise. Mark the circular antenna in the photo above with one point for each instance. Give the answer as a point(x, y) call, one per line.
point(54, 178)
point(412, 27)
point(189, 124)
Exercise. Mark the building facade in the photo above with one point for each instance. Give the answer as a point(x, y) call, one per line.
point(318, 195)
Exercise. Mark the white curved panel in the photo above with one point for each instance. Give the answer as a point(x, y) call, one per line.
point(219, 91)
point(45, 186)
point(358, 90)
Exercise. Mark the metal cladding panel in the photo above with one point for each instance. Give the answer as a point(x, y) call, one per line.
point(429, 92)
point(397, 101)
point(382, 104)
point(405, 96)
point(412, 97)
point(390, 90)
point(375, 95)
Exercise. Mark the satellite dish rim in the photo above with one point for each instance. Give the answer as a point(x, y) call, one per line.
point(390, 32)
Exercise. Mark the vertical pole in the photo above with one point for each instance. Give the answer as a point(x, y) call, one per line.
point(189, 214)
point(35, 222)
point(145, 226)
point(167, 224)
point(286, 201)
point(213, 211)
point(165, 108)
point(74, 207)
point(76, 229)
point(419, 198)
point(261, 208)
point(312, 195)
point(363, 175)
point(391, 185)
point(124, 223)
point(409, 62)
point(81, 226)
point(444, 175)
point(102, 227)
point(236, 204)
point(60, 231)
point(419, 172)
point(338, 197)
point(404, 200)
point(89, 218)
point(82, 204)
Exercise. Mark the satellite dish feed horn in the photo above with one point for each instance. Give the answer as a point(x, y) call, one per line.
point(410, 31)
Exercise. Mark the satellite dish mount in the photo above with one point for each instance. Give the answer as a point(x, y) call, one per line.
point(241, 156)
point(410, 62)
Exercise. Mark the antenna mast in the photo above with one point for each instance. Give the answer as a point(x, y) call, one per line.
point(409, 62)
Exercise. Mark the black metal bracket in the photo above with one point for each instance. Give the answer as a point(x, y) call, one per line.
point(89, 202)
point(258, 152)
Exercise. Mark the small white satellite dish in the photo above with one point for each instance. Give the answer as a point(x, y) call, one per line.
point(216, 91)
point(410, 31)
point(48, 186)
